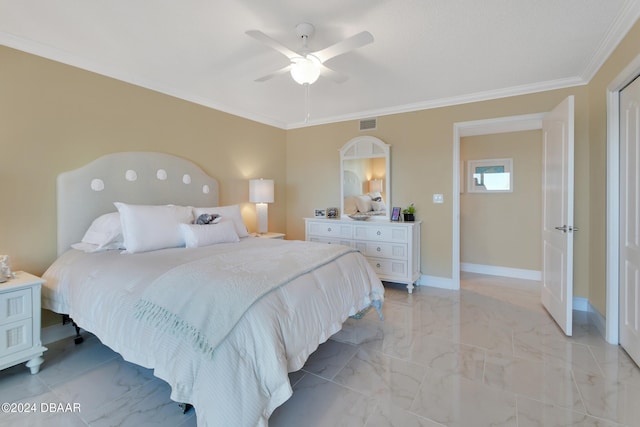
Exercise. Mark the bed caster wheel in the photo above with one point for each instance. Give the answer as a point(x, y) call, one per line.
point(184, 407)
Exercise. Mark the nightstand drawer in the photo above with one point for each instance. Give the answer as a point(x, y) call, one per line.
point(15, 305)
point(387, 268)
point(20, 322)
point(16, 336)
point(383, 250)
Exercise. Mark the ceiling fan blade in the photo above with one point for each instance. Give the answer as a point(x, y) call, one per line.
point(274, 74)
point(274, 44)
point(333, 74)
point(344, 46)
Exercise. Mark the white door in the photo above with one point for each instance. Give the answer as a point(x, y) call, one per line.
point(557, 215)
point(629, 267)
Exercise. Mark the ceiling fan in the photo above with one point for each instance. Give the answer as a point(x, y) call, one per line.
point(306, 66)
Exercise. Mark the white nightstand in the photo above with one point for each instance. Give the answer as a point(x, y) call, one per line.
point(270, 235)
point(20, 322)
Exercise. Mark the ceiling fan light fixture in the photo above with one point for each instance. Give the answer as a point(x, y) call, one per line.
point(305, 70)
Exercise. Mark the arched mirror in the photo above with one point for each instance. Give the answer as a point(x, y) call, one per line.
point(365, 178)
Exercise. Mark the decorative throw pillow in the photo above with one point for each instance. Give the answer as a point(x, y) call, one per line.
point(198, 235)
point(205, 219)
point(151, 227)
point(231, 212)
point(376, 196)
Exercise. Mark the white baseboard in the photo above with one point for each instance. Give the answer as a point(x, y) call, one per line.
point(493, 270)
point(581, 304)
point(57, 332)
point(598, 320)
point(435, 282)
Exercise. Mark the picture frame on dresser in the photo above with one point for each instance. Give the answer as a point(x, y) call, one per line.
point(395, 214)
point(319, 213)
point(333, 213)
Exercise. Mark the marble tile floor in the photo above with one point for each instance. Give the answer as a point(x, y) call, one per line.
point(488, 355)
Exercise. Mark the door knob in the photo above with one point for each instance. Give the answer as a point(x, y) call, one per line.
point(566, 228)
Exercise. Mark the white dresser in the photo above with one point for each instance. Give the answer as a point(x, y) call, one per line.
point(392, 248)
point(20, 322)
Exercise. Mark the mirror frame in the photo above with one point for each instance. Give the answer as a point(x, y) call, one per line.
point(367, 147)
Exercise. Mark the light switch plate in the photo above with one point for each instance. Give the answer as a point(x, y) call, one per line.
point(438, 198)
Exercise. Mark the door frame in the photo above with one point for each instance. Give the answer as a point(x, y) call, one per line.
point(626, 76)
point(474, 128)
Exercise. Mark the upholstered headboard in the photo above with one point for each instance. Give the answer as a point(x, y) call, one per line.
point(352, 184)
point(144, 178)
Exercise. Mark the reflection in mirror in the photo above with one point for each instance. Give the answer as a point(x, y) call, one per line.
point(365, 178)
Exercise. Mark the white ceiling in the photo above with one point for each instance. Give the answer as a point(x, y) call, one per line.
point(426, 53)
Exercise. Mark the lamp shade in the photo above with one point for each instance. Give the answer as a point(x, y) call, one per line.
point(261, 191)
point(375, 186)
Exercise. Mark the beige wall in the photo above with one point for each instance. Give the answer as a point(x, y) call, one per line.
point(55, 117)
point(421, 165)
point(504, 229)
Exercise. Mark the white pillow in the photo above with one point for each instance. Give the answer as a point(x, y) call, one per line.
point(226, 212)
point(149, 227)
point(104, 233)
point(363, 203)
point(198, 235)
point(350, 206)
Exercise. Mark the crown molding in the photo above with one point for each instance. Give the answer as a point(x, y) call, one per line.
point(448, 102)
point(627, 17)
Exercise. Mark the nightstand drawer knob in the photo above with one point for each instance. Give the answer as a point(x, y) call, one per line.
point(329, 229)
point(378, 265)
point(378, 249)
point(379, 232)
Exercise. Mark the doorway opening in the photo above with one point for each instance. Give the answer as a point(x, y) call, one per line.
point(476, 128)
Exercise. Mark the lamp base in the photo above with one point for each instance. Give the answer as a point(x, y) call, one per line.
point(262, 211)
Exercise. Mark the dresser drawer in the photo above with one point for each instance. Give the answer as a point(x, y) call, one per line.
point(15, 306)
point(382, 234)
point(383, 249)
point(16, 336)
point(326, 229)
point(391, 248)
point(329, 240)
point(388, 267)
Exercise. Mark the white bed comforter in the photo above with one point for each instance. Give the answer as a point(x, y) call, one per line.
point(245, 378)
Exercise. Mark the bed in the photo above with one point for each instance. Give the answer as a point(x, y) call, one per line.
point(222, 323)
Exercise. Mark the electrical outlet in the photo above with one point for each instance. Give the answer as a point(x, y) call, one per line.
point(438, 198)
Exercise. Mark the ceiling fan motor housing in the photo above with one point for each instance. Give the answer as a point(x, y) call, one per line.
point(305, 30)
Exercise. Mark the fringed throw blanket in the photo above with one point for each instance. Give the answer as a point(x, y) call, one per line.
point(202, 301)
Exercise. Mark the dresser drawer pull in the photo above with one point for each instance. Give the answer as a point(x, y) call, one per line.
point(329, 229)
point(378, 265)
point(378, 249)
point(379, 232)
